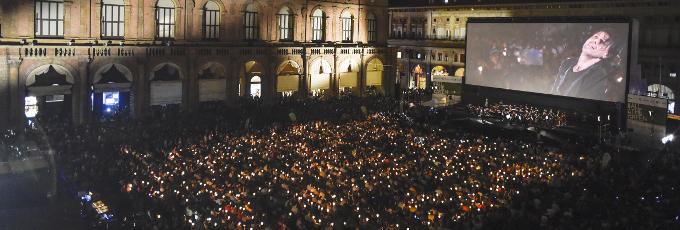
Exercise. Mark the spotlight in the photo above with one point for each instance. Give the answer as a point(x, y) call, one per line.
point(667, 139)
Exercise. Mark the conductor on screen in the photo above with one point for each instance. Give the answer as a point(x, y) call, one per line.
point(597, 73)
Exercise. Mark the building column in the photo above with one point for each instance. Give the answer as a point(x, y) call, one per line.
point(84, 110)
point(190, 88)
point(303, 87)
point(15, 114)
point(334, 86)
point(4, 95)
point(142, 90)
point(267, 83)
point(232, 85)
point(80, 93)
point(362, 74)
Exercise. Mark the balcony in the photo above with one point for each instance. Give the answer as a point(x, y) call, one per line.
point(152, 51)
point(427, 40)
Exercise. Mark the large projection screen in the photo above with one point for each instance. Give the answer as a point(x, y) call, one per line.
point(572, 59)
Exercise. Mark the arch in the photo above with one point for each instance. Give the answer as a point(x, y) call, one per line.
point(212, 82)
point(212, 70)
point(348, 75)
point(460, 72)
point(249, 70)
point(166, 88)
point(108, 67)
point(346, 13)
point(166, 3)
point(660, 91)
point(253, 67)
point(211, 5)
point(288, 78)
point(374, 72)
point(48, 91)
point(375, 64)
point(114, 2)
point(220, 4)
point(252, 7)
point(285, 20)
point(348, 65)
point(158, 67)
point(318, 24)
point(285, 10)
point(320, 72)
point(43, 69)
point(370, 16)
point(320, 66)
point(166, 16)
point(255, 85)
point(439, 71)
point(347, 25)
point(288, 68)
point(318, 12)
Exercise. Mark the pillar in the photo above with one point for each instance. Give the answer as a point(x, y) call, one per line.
point(15, 115)
point(80, 93)
point(232, 84)
point(141, 88)
point(334, 86)
point(267, 82)
point(190, 87)
point(362, 74)
point(304, 88)
point(4, 95)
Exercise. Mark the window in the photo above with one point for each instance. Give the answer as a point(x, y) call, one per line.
point(165, 19)
point(49, 18)
point(211, 21)
point(372, 28)
point(251, 24)
point(347, 20)
point(417, 31)
point(286, 20)
point(399, 30)
point(113, 19)
point(318, 26)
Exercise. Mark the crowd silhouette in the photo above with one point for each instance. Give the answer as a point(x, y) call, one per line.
point(359, 163)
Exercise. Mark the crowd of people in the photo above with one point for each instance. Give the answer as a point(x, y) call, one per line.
point(355, 163)
point(369, 173)
point(519, 114)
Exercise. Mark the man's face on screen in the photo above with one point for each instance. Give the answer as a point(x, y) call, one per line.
point(598, 45)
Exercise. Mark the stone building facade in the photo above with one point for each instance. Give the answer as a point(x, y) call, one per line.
point(69, 56)
point(426, 34)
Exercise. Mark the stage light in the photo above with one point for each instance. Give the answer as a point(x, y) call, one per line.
point(667, 139)
point(108, 110)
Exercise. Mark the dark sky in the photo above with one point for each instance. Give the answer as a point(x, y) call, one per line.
point(398, 3)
